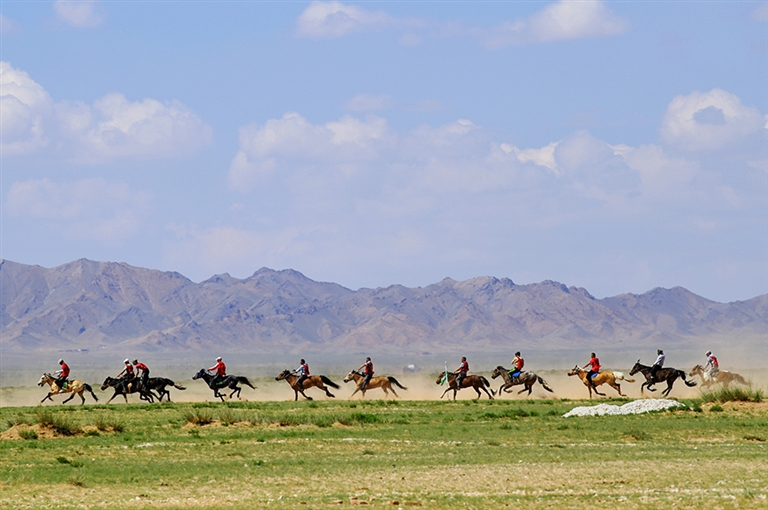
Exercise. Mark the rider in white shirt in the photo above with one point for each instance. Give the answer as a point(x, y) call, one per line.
point(656, 366)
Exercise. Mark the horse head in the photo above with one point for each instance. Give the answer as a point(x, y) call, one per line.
point(43, 379)
point(696, 370)
point(351, 376)
point(282, 375)
point(574, 371)
point(109, 381)
point(636, 368)
point(497, 372)
point(199, 375)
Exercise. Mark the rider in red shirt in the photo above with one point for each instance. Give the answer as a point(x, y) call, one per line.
point(126, 374)
point(144, 374)
point(594, 370)
point(303, 372)
point(461, 372)
point(713, 366)
point(368, 373)
point(220, 372)
point(62, 374)
point(517, 365)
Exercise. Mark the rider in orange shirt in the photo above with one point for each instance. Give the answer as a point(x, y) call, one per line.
point(220, 372)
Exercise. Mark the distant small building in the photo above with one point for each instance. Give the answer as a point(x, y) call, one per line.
point(411, 369)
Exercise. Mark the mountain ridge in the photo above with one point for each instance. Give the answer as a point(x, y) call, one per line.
point(89, 305)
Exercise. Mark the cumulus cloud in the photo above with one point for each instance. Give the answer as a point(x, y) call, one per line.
point(708, 121)
point(559, 21)
point(334, 19)
point(89, 209)
point(80, 13)
point(111, 128)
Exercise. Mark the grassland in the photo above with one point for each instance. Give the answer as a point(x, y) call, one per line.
point(386, 454)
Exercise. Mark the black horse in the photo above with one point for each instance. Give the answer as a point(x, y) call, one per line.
point(133, 387)
point(228, 381)
point(159, 384)
point(669, 375)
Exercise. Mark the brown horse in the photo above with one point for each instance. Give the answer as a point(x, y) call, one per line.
point(384, 382)
point(318, 381)
point(723, 376)
point(606, 377)
point(669, 375)
point(75, 387)
point(477, 382)
point(526, 378)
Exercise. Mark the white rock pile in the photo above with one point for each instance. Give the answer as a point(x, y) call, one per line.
point(634, 407)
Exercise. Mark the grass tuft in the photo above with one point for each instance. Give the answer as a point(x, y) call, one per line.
point(733, 394)
point(60, 424)
point(28, 434)
point(198, 416)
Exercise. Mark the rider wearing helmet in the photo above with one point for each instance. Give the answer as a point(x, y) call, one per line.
point(127, 375)
point(594, 370)
point(62, 374)
point(517, 366)
point(303, 373)
point(219, 372)
point(461, 372)
point(144, 374)
point(656, 366)
point(713, 367)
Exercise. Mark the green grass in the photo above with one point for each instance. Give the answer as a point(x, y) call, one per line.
point(735, 393)
point(438, 454)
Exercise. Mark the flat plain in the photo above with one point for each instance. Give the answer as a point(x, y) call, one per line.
point(382, 454)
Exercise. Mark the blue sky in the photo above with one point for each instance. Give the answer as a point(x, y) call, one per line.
point(616, 146)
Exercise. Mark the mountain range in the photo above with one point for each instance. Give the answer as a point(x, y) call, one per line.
point(91, 306)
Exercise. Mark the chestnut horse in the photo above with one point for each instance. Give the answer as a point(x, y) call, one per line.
point(477, 382)
point(75, 387)
point(317, 381)
point(384, 382)
point(528, 379)
point(606, 377)
point(669, 375)
point(723, 376)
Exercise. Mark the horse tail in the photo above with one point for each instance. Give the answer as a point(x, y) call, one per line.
point(176, 385)
point(329, 382)
point(619, 376)
point(485, 381)
point(244, 380)
point(88, 388)
point(544, 384)
point(395, 382)
point(681, 373)
point(740, 379)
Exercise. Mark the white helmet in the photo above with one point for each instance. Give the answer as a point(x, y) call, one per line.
point(708, 353)
point(218, 359)
point(127, 360)
point(61, 361)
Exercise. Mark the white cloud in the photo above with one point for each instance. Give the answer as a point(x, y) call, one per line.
point(563, 20)
point(8, 26)
point(706, 121)
point(112, 128)
point(760, 13)
point(92, 209)
point(80, 13)
point(544, 156)
point(25, 105)
point(334, 19)
point(115, 127)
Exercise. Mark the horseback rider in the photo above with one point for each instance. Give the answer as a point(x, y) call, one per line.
point(368, 373)
point(127, 375)
point(144, 374)
point(594, 370)
point(517, 366)
point(461, 372)
point(303, 372)
point(712, 367)
point(219, 372)
point(657, 366)
point(61, 375)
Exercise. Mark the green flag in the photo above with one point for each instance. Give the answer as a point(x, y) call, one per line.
point(445, 375)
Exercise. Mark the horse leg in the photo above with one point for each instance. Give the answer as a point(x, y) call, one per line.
point(47, 397)
point(617, 387)
point(70, 398)
point(669, 388)
point(394, 392)
point(82, 397)
point(478, 392)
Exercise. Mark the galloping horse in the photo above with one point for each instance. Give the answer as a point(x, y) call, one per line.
point(477, 382)
point(159, 383)
point(723, 376)
point(384, 382)
point(133, 387)
point(229, 381)
point(318, 381)
point(75, 387)
point(664, 374)
point(606, 377)
point(526, 378)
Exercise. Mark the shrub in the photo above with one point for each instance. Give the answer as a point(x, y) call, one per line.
point(60, 424)
point(733, 394)
point(28, 434)
point(198, 416)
